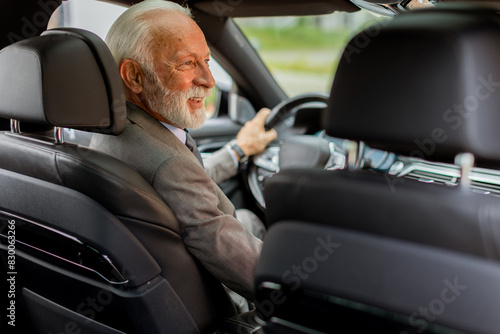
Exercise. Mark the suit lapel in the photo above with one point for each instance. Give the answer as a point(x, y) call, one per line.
point(152, 126)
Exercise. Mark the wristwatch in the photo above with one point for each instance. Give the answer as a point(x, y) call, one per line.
point(233, 144)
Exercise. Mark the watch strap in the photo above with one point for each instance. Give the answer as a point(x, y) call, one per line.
point(233, 144)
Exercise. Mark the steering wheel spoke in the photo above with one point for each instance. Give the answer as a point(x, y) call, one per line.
point(282, 117)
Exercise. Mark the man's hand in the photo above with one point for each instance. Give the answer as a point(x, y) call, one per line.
point(253, 138)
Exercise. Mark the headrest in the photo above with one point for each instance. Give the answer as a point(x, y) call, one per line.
point(66, 77)
point(426, 85)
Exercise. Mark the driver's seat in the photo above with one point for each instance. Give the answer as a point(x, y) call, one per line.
point(96, 249)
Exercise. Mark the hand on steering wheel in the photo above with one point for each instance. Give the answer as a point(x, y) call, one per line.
point(267, 163)
point(282, 109)
point(253, 137)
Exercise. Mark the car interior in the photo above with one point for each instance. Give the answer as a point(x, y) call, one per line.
point(381, 210)
point(405, 241)
point(106, 222)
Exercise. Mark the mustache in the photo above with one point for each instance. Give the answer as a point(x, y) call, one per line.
point(198, 92)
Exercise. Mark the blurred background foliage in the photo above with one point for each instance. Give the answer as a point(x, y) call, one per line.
point(303, 52)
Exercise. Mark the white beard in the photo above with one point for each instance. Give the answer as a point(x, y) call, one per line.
point(172, 105)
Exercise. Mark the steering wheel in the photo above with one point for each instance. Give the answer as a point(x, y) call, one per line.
point(297, 149)
point(287, 108)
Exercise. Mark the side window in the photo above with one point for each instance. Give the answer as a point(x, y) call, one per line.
point(98, 17)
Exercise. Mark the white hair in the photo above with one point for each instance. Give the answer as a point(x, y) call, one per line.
point(131, 34)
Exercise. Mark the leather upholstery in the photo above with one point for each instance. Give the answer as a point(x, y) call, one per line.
point(371, 251)
point(448, 217)
point(39, 91)
point(336, 278)
point(416, 87)
point(68, 78)
point(4, 124)
point(388, 206)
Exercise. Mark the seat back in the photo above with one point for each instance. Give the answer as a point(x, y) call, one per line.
point(372, 250)
point(339, 278)
point(4, 124)
point(96, 248)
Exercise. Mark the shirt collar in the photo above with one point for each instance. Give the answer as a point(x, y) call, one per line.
point(178, 132)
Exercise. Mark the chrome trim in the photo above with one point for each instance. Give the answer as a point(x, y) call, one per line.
point(386, 10)
point(452, 171)
point(122, 280)
point(466, 163)
point(450, 178)
point(391, 8)
point(331, 158)
point(396, 168)
point(352, 154)
point(76, 264)
point(255, 188)
point(355, 154)
point(15, 126)
point(65, 235)
point(268, 161)
point(336, 160)
point(270, 285)
point(58, 135)
point(491, 179)
point(481, 180)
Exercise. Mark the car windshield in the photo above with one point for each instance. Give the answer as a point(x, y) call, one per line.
point(302, 53)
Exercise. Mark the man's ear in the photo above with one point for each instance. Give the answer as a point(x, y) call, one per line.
point(132, 76)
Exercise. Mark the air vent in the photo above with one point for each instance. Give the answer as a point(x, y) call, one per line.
point(486, 188)
point(483, 181)
point(429, 177)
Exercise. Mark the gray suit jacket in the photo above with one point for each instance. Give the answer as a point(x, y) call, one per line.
point(220, 165)
point(206, 216)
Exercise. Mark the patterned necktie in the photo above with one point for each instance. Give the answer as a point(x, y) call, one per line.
point(192, 147)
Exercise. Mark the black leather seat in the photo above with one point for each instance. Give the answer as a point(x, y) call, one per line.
point(384, 254)
point(96, 248)
point(4, 124)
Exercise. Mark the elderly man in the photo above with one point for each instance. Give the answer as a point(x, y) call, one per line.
point(163, 61)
